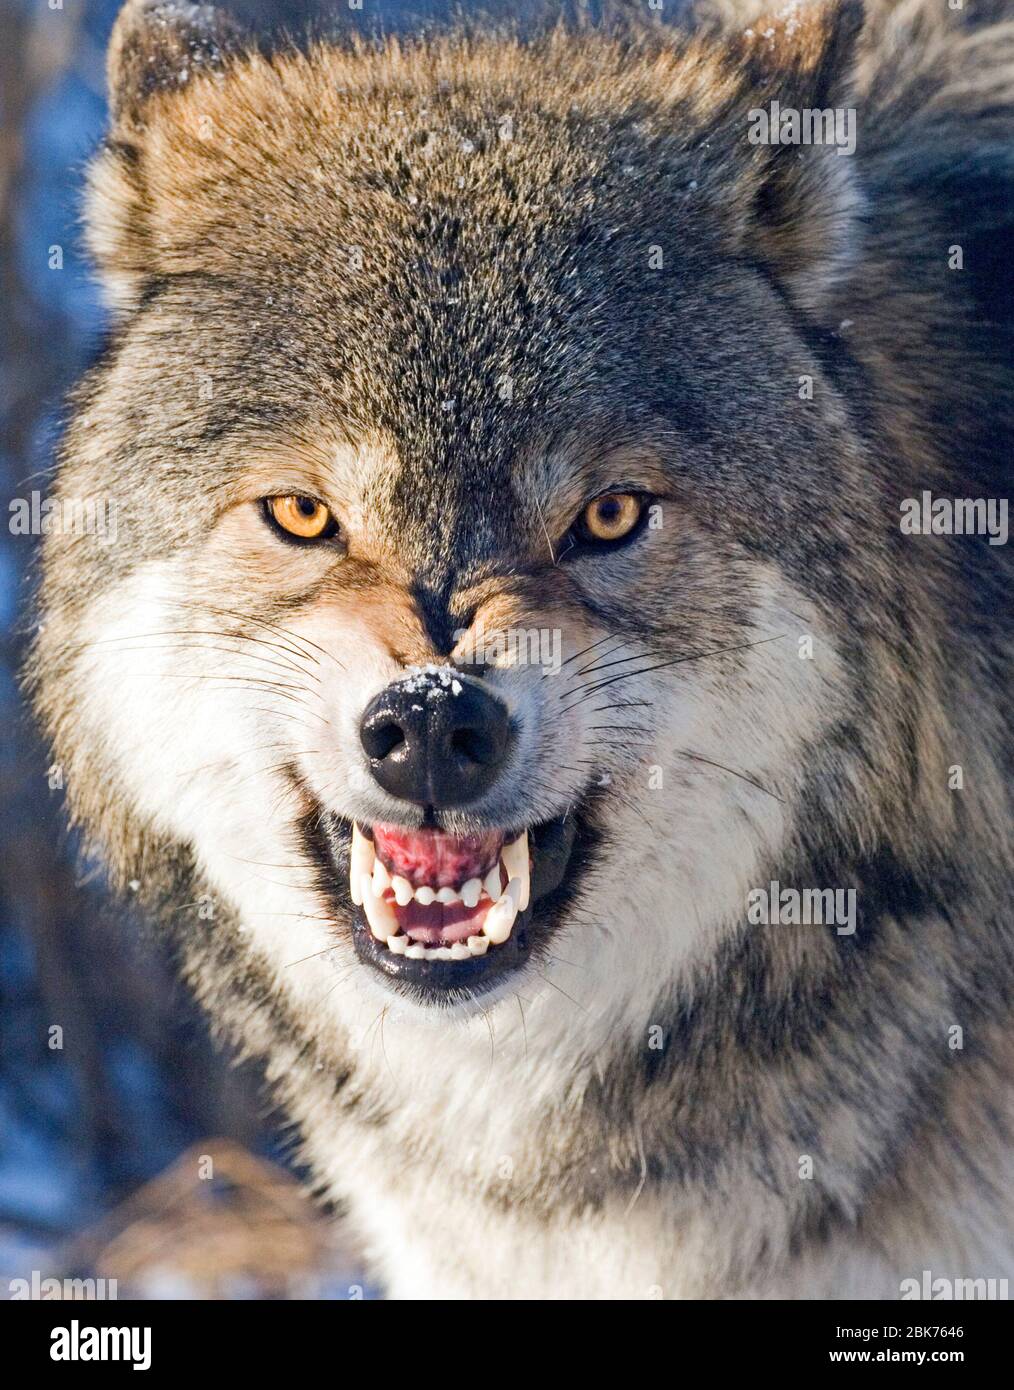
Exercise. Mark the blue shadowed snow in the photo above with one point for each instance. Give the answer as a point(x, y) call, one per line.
point(63, 129)
point(8, 587)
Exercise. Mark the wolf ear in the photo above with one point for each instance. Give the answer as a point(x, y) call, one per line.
point(803, 217)
point(157, 45)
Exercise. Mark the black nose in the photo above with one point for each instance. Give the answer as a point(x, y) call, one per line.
point(436, 739)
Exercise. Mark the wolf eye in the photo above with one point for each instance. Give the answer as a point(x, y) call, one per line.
point(302, 517)
point(611, 517)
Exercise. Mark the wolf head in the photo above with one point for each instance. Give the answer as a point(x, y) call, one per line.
point(508, 578)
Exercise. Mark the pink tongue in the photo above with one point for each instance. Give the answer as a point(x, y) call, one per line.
point(431, 856)
point(441, 925)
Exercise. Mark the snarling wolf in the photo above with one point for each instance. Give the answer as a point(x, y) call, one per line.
point(420, 342)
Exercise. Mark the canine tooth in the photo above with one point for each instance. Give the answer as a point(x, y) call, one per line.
point(497, 926)
point(500, 917)
point(416, 952)
point(471, 892)
point(381, 878)
point(381, 917)
point(425, 895)
point(361, 857)
point(447, 895)
point(397, 944)
point(460, 951)
point(491, 883)
point(477, 945)
point(516, 862)
point(403, 890)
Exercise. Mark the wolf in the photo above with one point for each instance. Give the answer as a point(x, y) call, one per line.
point(421, 341)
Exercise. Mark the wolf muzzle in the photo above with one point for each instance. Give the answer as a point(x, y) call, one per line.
point(437, 738)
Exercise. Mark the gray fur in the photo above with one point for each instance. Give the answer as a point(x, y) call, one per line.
point(525, 259)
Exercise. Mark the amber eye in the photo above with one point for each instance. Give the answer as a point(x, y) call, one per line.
point(302, 517)
point(611, 517)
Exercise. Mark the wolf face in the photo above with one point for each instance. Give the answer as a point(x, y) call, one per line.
point(507, 581)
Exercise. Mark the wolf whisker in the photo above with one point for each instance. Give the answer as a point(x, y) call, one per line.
point(743, 776)
point(553, 985)
point(674, 661)
point(184, 643)
point(296, 639)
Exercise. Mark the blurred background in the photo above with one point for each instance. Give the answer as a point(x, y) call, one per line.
point(129, 1147)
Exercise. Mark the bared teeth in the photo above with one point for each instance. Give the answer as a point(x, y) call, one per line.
point(381, 917)
point(403, 890)
point(518, 865)
point(370, 880)
point(361, 856)
point(381, 878)
point(500, 917)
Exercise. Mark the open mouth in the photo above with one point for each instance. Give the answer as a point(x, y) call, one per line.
point(446, 915)
point(427, 895)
